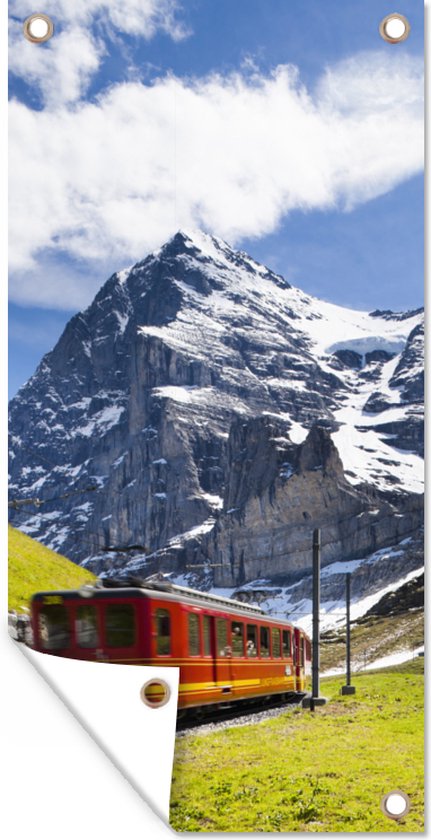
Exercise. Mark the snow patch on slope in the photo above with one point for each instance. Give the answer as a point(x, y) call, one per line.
point(368, 455)
point(101, 422)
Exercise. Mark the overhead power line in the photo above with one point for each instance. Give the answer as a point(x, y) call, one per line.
point(16, 504)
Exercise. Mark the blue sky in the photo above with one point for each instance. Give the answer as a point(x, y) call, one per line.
point(356, 238)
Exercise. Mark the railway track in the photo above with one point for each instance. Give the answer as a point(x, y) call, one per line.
point(242, 714)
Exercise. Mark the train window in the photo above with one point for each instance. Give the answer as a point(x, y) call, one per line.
point(54, 627)
point(287, 643)
point(163, 629)
point(221, 628)
point(120, 625)
point(207, 635)
point(87, 635)
point(276, 648)
point(194, 640)
point(251, 646)
point(264, 641)
point(302, 652)
point(308, 649)
point(237, 638)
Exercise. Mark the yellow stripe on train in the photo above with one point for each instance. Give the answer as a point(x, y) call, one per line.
point(271, 681)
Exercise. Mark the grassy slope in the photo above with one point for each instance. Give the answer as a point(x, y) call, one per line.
point(326, 771)
point(373, 638)
point(33, 568)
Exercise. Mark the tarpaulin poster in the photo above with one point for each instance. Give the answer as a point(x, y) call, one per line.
point(216, 378)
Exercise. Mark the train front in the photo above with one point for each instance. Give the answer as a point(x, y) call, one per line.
point(91, 623)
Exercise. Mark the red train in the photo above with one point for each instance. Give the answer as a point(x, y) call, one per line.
point(226, 650)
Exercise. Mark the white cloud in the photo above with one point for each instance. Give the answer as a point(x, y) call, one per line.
point(136, 17)
point(110, 180)
point(107, 181)
point(62, 70)
point(63, 67)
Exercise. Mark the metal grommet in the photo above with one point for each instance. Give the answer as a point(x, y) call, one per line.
point(38, 28)
point(155, 693)
point(394, 28)
point(395, 805)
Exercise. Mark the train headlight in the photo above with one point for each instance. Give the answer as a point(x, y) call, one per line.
point(288, 671)
point(86, 591)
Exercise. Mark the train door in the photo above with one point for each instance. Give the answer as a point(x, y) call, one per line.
point(308, 667)
point(223, 655)
point(120, 632)
point(299, 659)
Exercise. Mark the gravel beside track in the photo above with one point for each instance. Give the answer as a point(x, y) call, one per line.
point(225, 718)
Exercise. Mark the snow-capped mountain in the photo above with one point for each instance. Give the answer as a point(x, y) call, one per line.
point(203, 411)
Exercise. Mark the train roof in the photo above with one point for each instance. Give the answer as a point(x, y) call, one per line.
point(197, 594)
point(161, 586)
point(104, 587)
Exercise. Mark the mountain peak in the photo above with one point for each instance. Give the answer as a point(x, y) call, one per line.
point(201, 240)
point(206, 249)
point(185, 241)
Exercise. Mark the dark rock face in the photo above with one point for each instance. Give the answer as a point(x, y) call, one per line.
point(410, 596)
point(349, 358)
point(389, 315)
point(409, 374)
point(378, 356)
point(196, 414)
point(406, 432)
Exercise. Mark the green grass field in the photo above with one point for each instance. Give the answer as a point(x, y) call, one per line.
point(34, 568)
point(304, 771)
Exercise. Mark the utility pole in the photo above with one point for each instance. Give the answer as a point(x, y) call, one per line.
point(348, 688)
point(316, 612)
point(315, 699)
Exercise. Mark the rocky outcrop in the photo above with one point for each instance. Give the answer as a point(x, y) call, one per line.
point(409, 596)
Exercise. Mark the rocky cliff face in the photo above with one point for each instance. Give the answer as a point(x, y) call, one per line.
point(268, 533)
point(202, 412)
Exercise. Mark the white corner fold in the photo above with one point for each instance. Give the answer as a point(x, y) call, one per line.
point(105, 699)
